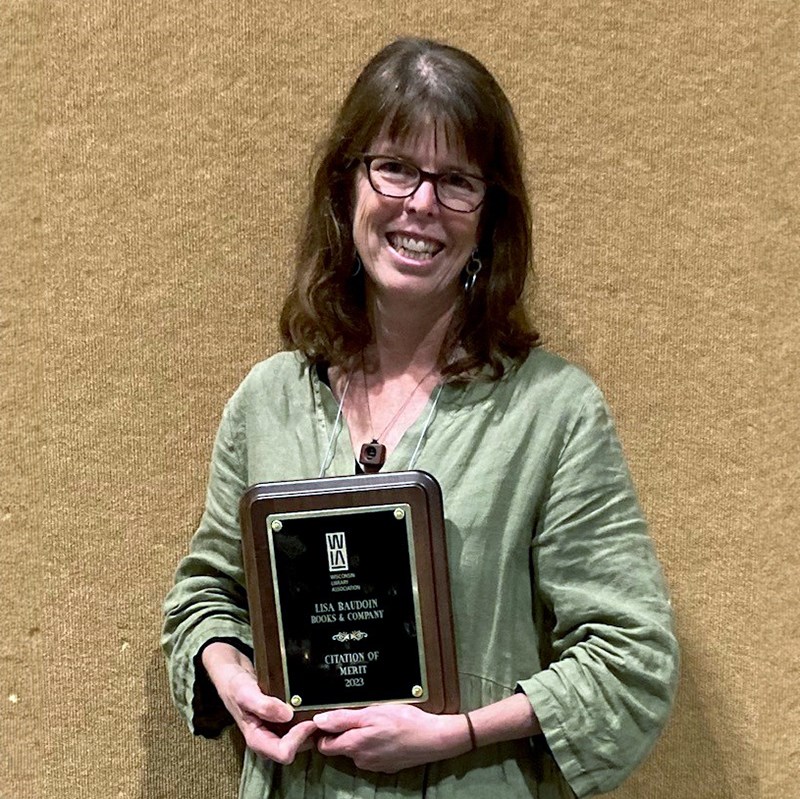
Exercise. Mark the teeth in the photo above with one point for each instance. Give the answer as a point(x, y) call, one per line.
point(415, 246)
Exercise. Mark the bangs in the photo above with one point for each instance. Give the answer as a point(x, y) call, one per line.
point(417, 110)
point(450, 130)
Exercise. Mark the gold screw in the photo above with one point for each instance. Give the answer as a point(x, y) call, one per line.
point(417, 691)
point(277, 525)
point(296, 700)
point(399, 513)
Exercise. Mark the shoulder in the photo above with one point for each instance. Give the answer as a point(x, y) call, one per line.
point(540, 379)
point(539, 399)
point(281, 366)
point(271, 389)
point(546, 398)
point(544, 377)
point(282, 371)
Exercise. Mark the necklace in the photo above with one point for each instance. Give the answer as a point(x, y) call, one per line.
point(328, 457)
point(373, 454)
point(331, 448)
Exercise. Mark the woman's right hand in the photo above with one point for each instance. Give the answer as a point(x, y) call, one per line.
point(234, 678)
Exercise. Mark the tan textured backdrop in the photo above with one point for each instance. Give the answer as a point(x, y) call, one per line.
point(152, 164)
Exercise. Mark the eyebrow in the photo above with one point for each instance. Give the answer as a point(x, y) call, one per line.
point(460, 167)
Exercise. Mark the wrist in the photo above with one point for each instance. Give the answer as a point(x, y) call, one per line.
point(223, 662)
point(456, 738)
point(473, 740)
point(506, 720)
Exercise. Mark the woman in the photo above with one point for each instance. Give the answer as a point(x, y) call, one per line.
point(405, 330)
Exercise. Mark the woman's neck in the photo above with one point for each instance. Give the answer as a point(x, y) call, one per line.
point(408, 336)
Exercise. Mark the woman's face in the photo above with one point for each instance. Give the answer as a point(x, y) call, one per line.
point(413, 246)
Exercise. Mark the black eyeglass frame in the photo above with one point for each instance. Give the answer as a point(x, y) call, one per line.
point(433, 177)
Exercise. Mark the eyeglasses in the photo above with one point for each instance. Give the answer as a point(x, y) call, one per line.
point(393, 177)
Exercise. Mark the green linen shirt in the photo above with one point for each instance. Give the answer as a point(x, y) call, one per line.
point(556, 589)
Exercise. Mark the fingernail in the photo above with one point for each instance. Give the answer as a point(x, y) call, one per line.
point(320, 718)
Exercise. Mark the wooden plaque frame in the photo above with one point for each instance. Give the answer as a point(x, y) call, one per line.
point(299, 512)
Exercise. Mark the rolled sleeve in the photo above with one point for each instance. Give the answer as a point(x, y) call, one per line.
point(208, 600)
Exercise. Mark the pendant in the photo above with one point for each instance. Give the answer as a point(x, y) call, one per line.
point(372, 456)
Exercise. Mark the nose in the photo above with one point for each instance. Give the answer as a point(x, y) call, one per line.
point(423, 200)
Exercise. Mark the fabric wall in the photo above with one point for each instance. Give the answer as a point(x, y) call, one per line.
point(152, 166)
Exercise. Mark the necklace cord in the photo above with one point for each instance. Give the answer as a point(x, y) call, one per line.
point(425, 427)
point(399, 410)
point(326, 461)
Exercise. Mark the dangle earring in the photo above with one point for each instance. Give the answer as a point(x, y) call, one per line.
point(358, 266)
point(471, 271)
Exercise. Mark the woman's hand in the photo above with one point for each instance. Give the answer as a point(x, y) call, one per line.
point(234, 678)
point(388, 738)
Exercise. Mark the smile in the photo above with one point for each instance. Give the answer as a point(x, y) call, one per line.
point(414, 247)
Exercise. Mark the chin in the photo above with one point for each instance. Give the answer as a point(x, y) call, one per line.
point(418, 286)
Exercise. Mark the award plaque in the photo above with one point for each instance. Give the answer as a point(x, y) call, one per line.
point(349, 592)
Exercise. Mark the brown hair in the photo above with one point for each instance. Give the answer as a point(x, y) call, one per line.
point(409, 85)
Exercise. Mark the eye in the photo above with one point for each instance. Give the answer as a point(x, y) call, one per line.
point(392, 169)
point(461, 182)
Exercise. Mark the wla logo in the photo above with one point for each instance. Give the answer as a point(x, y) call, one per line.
point(337, 552)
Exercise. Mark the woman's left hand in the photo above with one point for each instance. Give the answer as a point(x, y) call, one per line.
point(388, 738)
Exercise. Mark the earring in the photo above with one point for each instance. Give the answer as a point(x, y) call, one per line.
point(357, 266)
point(471, 271)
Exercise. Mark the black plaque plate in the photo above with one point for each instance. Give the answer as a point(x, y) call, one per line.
point(349, 592)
